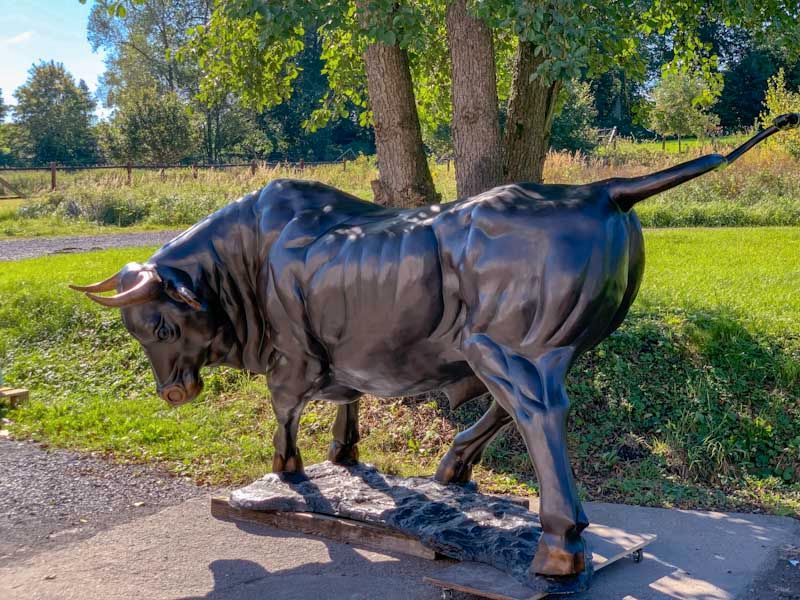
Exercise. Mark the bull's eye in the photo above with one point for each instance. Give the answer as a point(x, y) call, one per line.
point(166, 332)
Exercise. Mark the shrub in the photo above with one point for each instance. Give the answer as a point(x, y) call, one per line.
point(778, 101)
point(572, 125)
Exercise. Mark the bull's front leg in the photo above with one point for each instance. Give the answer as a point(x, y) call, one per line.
point(532, 391)
point(344, 449)
point(286, 458)
point(291, 383)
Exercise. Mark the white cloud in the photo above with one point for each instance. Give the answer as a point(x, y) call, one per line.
point(20, 38)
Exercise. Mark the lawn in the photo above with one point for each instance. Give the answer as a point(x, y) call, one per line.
point(694, 402)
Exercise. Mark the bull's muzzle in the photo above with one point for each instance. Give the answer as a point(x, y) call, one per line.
point(176, 395)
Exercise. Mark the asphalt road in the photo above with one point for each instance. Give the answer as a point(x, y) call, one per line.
point(21, 248)
point(49, 499)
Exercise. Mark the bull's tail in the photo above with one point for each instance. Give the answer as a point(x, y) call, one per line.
point(627, 192)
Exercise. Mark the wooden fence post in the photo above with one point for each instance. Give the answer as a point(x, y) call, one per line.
point(194, 171)
point(344, 165)
point(253, 167)
point(129, 170)
point(52, 176)
point(302, 164)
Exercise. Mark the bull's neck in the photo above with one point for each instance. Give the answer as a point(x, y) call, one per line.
point(222, 256)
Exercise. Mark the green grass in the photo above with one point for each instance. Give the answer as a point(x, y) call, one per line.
point(631, 148)
point(694, 402)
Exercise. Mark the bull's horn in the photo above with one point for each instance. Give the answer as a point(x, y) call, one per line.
point(103, 286)
point(147, 288)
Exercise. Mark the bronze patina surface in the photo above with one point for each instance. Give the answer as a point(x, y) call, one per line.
point(335, 297)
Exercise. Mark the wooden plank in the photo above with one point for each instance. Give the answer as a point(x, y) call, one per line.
point(10, 188)
point(334, 528)
point(14, 396)
point(482, 580)
point(608, 546)
point(523, 501)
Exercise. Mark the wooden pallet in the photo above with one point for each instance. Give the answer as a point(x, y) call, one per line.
point(608, 545)
point(13, 396)
point(334, 528)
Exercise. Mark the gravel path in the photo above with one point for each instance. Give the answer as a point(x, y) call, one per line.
point(49, 498)
point(18, 249)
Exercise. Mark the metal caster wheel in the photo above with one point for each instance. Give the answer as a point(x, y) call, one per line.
point(637, 555)
point(447, 594)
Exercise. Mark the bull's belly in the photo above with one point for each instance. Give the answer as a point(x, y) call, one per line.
point(401, 373)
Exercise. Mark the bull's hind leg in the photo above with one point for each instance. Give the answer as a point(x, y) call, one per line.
point(468, 446)
point(531, 390)
point(343, 449)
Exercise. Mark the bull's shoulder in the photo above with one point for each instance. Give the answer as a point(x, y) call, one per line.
point(298, 195)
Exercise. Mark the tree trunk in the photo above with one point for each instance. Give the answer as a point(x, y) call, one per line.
point(476, 119)
point(530, 117)
point(405, 179)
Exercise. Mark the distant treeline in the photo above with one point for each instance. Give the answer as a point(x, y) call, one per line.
point(152, 87)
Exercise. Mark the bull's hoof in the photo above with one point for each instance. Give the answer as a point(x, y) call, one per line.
point(288, 469)
point(452, 469)
point(556, 557)
point(343, 454)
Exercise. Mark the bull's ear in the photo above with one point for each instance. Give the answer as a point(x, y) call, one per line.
point(177, 285)
point(181, 293)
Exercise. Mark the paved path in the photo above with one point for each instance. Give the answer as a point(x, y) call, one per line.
point(18, 249)
point(49, 499)
point(182, 552)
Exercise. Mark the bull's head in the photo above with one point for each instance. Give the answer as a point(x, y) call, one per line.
point(178, 332)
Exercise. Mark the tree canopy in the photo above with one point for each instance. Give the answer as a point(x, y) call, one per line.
point(291, 79)
point(681, 103)
point(54, 115)
point(3, 107)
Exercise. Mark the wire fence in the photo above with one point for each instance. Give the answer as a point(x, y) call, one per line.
point(21, 182)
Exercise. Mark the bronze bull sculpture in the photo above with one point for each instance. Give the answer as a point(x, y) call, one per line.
point(334, 297)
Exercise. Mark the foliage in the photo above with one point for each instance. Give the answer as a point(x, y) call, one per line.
point(3, 107)
point(573, 126)
point(8, 143)
point(142, 47)
point(746, 82)
point(148, 127)
point(54, 116)
point(681, 103)
point(693, 403)
point(780, 100)
point(251, 49)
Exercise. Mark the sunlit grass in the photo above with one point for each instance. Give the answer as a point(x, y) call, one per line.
point(694, 402)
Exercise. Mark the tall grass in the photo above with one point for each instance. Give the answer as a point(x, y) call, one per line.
point(760, 189)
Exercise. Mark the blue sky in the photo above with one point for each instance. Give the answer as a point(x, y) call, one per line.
point(34, 30)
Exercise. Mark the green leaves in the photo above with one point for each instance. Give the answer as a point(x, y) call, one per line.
point(681, 101)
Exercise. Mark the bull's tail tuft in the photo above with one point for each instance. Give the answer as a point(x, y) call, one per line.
point(627, 192)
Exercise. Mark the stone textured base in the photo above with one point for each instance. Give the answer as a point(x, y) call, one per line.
point(455, 521)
